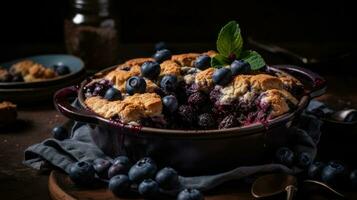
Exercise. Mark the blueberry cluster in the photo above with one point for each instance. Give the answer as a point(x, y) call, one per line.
point(125, 177)
point(223, 76)
point(103, 88)
point(334, 173)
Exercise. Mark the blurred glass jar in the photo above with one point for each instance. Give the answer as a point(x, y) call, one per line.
point(91, 33)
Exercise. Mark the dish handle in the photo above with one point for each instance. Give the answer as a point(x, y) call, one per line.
point(62, 104)
point(317, 82)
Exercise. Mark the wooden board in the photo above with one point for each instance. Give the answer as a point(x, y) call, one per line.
point(62, 188)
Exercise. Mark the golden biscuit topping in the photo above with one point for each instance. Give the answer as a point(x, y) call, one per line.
point(32, 71)
point(204, 78)
point(170, 67)
point(278, 101)
point(186, 59)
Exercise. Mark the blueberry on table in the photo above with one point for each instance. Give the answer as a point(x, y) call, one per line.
point(150, 69)
point(167, 178)
point(101, 167)
point(333, 173)
point(160, 46)
point(202, 62)
point(145, 168)
point(285, 156)
point(148, 188)
point(304, 160)
point(61, 69)
point(353, 178)
point(190, 194)
point(162, 55)
point(121, 165)
point(112, 94)
point(168, 83)
point(315, 169)
point(82, 173)
point(222, 76)
point(170, 103)
point(240, 67)
point(119, 185)
point(60, 133)
point(135, 84)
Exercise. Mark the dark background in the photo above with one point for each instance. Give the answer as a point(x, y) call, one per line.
point(37, 26)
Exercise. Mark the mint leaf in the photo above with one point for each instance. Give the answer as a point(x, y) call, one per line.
point(230, 40)
point(219, 60)
point(254, 59)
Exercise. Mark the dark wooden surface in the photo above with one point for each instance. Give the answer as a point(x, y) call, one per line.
point(36, 122)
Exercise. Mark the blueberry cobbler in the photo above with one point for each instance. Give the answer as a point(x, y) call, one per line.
point(210, 90)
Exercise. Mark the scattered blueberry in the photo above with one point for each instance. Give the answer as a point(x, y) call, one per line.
point(135, 84)
point(353, 178)
point(202, 62)
point(119, 185)
point(150, 69)
point(82, 173)
point(285, 156)
point(239, 67)
point(162, 55)
point(206, 121)
point(170, 103)
point(17, 78)
point(145, 168)
point(168, 83)
point(112, 94)
point(121, 165)
point(315, 169)
point(167, 178)
point(333, 173)
point(222, 76)
point(98, 90)
point(101, 167)
point(148, 188)
point(304, 160)
point(60, 132)
point(160, 46)
point(61, 69)
point(190, 194)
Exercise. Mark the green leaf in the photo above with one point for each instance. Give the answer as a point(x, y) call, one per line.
point(230, 40)
point(254, 59)
point(219, 60)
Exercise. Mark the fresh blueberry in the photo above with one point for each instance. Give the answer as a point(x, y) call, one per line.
point(121, 165)
point(145, 168)
point(101, 167)
point(150, 69)
point(304, 160)
point(202, 62)
point(61, 69)
point(162, 55)
point(353, 178)
point(285, 156)
point(98, 90)
point(190, 194)
point(333, 173)
point(119, 185)
point(239, 67)
point(222, 76)
point(148, 188)
point(17, 78)
point(112, 94)
point(135, 84)
point(160, 46)
point(315, 169)
point(168, 83)
point(167, 178)
point(170, 103)
point(82, 173)
point(60, 132)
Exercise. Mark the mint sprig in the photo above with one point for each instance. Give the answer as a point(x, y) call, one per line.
point(229, 43)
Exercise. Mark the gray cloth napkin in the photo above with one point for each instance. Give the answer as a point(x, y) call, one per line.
point(79, 147)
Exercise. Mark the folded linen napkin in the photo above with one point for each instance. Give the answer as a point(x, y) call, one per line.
point(80, 147)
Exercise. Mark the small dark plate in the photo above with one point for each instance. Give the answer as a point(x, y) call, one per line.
point(75, 65)
point(39, 91)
